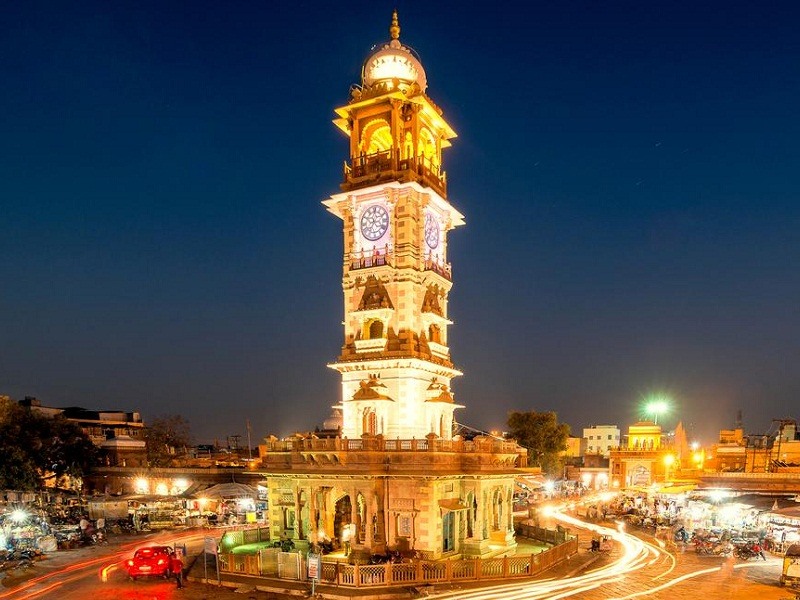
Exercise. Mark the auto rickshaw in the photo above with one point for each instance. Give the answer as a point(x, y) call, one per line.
point(791, 566)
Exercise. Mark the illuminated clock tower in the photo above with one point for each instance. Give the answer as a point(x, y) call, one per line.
point(395, 360)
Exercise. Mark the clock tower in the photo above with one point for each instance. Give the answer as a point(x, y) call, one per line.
point(395, 360)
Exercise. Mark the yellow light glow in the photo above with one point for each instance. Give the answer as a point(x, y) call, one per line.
point(162, 489)
point(669, 459)
point(392, 67)
point(141, 485)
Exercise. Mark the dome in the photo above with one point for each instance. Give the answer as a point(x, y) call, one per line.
point(393, 64)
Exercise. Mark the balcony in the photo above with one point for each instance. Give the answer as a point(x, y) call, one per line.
point(385, 257)
point(379, 454)
point(367, 260)
point(387, 165)
point(442, 268)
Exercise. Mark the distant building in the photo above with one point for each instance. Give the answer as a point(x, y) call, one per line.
point(118, 434)
point(601, 439)
point(739, 452)
point(576, 448)
point(645, 458)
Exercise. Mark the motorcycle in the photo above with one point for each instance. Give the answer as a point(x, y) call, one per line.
point(747, 552)
point(712, 548)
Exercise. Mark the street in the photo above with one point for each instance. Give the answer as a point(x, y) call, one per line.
point(637, 566)
point(98, 572)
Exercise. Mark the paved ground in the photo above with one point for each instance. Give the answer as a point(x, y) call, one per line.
point(76, 575)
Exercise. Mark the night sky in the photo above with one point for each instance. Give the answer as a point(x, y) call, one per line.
point(629, 172)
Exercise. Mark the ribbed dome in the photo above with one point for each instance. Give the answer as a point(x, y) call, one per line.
point(393, 64)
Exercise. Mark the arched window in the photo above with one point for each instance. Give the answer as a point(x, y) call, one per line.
point(435, 334)
point(370, 421)
point(375, 330)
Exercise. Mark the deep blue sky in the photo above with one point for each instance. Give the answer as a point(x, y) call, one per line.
point(629, 172)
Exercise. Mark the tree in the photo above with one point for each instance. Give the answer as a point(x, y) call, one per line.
point(36, 447)
point(542, 435)
point(163, 436)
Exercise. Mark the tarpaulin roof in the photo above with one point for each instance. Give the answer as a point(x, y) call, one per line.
point(227, 491)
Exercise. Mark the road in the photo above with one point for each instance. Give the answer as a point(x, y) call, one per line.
point(638, 566)
point(98, 573)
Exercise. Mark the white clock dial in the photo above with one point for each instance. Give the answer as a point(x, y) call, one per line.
point(431, 231)
point(374, 222)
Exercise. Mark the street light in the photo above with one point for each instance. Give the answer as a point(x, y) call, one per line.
point(669, 460)
point(657, 405)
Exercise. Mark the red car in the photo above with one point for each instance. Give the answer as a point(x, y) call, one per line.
point(153, 560)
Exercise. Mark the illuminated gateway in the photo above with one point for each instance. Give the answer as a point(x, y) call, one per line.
point(397, 478)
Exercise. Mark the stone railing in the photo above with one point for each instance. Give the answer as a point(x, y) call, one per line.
point(411, 573)
point(380, 444)
point(392, 456)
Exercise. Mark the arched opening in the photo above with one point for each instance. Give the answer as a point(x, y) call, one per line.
point(427, 148)
point(408, 146)
point(343, 513)
point(497, 510)
point(448, 531)
point(471, 514)
point(369, 422)
point(435, 334)
point(375, 330)
point(375, 137)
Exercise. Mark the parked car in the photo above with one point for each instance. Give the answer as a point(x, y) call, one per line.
point(150, 561)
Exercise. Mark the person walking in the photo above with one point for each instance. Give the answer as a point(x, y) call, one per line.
point(176, 567)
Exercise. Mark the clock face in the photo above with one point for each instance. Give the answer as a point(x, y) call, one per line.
point(374, 222)
point(431, 231)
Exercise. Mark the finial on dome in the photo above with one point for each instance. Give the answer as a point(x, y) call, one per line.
point(394, 28)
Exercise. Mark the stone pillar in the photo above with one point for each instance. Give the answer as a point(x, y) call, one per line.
point(313, 524)
point(369, 510)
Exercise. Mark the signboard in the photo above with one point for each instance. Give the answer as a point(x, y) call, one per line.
point(314, 565)
point(210, 545)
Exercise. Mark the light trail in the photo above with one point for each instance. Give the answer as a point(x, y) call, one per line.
point(668, 584)
point(635, 555)
point(81, 570)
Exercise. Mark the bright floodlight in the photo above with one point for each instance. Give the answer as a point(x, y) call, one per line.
point(19, 515)
point(657, 405)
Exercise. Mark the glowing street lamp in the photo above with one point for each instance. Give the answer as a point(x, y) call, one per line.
point(657, 405)
point(669, 460)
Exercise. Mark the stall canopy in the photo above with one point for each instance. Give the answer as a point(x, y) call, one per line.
point(228, 491)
